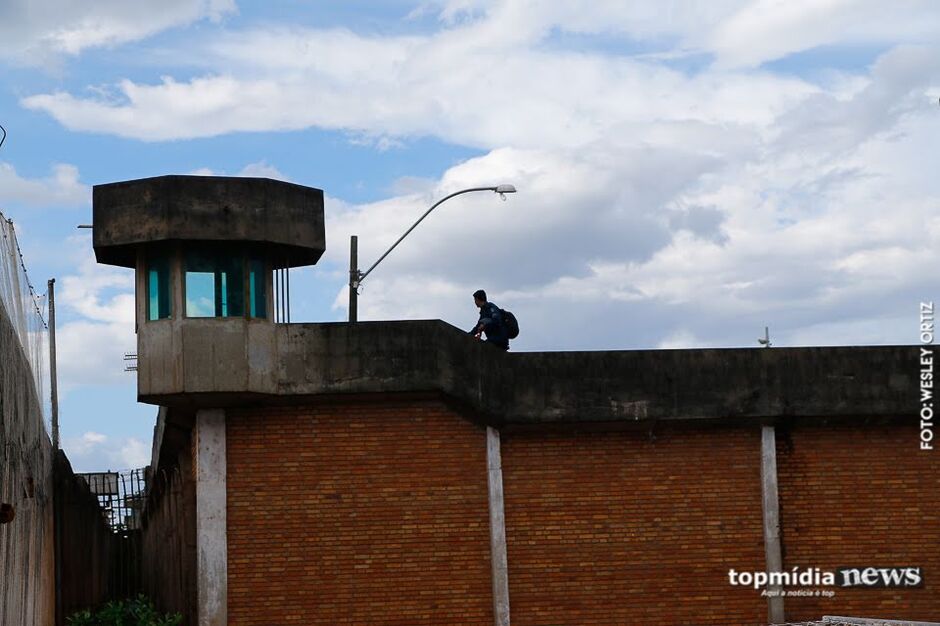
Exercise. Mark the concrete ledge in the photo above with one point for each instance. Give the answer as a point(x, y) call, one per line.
point(760, 385)
point(284, 217)
point(634, 385)
point(862, 621)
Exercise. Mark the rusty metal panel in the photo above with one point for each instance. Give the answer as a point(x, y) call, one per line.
point(101, 483)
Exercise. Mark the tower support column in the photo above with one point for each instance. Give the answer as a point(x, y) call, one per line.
point(211, 524)
point(771, 510)
point(498, 559)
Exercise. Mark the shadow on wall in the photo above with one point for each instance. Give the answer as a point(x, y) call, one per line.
point(27, 584)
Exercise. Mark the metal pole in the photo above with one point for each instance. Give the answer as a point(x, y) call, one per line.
point(280, 287)
point(52, 367)
point(353, 278)
point(356, 277)
point(420, 219)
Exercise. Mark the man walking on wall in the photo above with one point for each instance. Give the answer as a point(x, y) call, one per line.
point(491, 322)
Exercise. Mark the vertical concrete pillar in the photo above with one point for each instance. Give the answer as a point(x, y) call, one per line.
point(771, 507)
point(498, 560)
point(211, 540)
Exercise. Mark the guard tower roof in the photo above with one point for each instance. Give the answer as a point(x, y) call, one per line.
point(283, 218)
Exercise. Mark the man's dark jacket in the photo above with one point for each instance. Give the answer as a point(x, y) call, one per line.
point(491, 316)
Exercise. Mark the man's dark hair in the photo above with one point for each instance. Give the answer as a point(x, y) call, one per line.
point(479, 294)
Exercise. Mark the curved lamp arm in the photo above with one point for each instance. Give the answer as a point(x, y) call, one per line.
point(500, 189)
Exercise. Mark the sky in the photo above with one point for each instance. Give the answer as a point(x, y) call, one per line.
point(689, 172)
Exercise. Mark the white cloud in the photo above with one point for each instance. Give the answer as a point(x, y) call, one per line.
point(87, 441)
point(680, 339)
point(98, 300)
point(61, 189)
point(92, 353)
point(771, 29)
point(657, 207)
point(504, 95)
point(512, 87)
point(38, 32)
point(832, 241)
point(740, 33)
point(135, 453)
point(259, 169)
point(95, 452)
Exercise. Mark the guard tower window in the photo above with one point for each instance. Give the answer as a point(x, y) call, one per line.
point(158, 288)
point(215, 285)
point(257, 289)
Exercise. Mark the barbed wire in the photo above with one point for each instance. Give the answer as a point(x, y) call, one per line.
point(22, 306)
point(35, 297)
point(19, 252)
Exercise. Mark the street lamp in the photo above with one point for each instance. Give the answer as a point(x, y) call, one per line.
point(356, 277)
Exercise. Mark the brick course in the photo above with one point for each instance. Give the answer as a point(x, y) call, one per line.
point(613, 528)
point(357, 514)
point(376, 513)
point(860, 496)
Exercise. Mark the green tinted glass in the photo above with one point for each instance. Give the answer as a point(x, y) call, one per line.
point(215, 285)
point(158, 288)
point(257, 292)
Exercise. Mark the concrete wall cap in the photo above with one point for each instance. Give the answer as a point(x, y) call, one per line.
point(284, 218)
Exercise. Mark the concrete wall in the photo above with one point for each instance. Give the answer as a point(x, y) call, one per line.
point(209, 460)
point(623, 385)
point(44, 492)
point(27, 586)
point(192, 356)
point(168, 528)
point(539, 387)
point(88, 550)
point(284, 218)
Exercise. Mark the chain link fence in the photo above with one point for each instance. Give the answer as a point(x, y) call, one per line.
point(25, 309)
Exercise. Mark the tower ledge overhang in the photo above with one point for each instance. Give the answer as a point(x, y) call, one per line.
point(283, 218)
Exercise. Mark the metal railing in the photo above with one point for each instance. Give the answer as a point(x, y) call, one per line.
point(121, 496)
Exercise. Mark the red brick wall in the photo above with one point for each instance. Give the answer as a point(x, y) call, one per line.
point(612, 528)
point(852, 496)
point(357, 514)
point(376, 513)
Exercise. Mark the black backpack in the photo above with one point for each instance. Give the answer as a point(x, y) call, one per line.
point(511, 324)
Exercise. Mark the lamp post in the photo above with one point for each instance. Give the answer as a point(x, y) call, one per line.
point(356, 277)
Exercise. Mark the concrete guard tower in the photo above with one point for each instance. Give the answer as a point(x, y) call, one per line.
point(204, 249)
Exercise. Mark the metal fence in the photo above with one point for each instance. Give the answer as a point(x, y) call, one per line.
point(121, 499)
point(121, 496)
point(25, 309)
